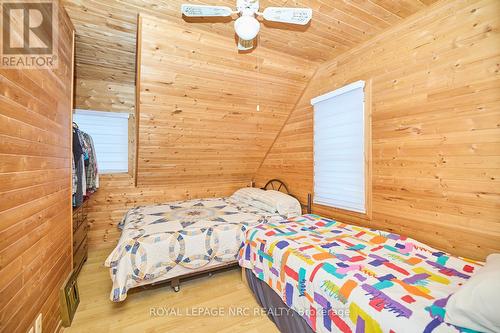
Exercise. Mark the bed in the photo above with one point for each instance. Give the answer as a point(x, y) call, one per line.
point(175, 240)
point(343, 278)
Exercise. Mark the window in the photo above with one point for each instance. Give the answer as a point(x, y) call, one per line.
point(339, 148)
point(109, 130)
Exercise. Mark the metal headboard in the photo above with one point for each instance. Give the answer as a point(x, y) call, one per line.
point(278, 185)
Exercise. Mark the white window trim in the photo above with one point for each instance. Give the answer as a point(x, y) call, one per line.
point(340, 91)
point(347, 88)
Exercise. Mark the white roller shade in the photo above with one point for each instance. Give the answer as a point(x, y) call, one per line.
point(339, 148)
point(109, 131)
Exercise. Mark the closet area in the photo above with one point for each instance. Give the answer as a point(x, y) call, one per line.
point(85, 182)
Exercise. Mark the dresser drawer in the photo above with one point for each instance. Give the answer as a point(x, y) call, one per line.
point(79, 216)
point(79, 235)
point(77, 222)
point(80, 256)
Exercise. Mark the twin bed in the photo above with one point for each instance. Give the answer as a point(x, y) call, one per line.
point(176, 240)
point(343, 278)
point(334, 276)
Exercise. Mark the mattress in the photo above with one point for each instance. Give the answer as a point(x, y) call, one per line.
point(340, 277)
point(168, 240)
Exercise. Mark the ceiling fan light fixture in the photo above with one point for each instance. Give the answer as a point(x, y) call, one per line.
point(247, 27)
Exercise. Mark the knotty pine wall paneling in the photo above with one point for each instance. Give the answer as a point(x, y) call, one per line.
point(435, 128)
point(198, 116)
point(35, 192)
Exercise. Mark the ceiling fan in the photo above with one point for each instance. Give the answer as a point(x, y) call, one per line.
point(247, 26)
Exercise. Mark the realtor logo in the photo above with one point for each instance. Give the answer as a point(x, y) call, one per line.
point(29, 34)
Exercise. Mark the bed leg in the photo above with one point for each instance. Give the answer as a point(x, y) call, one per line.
point(176, 285)
point(243, 276)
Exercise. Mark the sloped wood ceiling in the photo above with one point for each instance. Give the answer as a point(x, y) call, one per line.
point(106, 33)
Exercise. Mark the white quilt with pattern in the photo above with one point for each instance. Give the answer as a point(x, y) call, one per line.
point(167, 240)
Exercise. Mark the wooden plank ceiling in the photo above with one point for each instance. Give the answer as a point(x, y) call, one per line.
point(105, 33)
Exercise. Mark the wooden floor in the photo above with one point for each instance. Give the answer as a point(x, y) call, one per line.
point(176, 312)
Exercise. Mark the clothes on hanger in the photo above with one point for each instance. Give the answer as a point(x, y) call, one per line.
point(90, 163)
point(75, 177)
point(85, 175)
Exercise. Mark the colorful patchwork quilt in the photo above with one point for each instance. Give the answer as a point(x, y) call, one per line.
point(344, 278)
point(167, 240)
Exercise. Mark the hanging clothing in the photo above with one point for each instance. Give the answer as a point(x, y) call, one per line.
point(77, 146)
point(75, 177)
point(92, 175)
point(85, 172)
point(78, 197)
point(84, 156)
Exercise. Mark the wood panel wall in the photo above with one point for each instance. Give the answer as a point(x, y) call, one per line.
point(35, 194)
point(435, 133)
point(105, 54)
point(104, 95)
point(198, 104)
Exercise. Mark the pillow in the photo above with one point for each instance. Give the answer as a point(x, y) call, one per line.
point(476, 304)
point(270, 201)
point(285, 205)
point(263, 206)
point(247, 194)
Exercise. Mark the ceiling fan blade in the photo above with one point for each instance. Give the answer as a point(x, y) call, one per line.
point(202, 11)
point(300, 16)
point(245, 45)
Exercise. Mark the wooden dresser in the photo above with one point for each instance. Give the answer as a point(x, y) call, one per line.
point(80, 229)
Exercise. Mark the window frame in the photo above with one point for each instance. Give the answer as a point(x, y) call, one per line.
point(367, 89)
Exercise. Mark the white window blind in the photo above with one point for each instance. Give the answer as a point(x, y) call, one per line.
point(339, 148)
point(109, 131)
